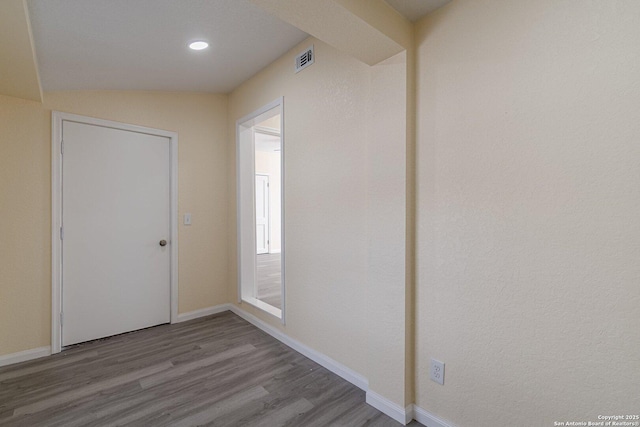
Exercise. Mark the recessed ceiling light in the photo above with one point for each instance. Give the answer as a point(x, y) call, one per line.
point(198, 45)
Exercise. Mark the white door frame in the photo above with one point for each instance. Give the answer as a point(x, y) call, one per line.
point(249, 121)
point(57, 119)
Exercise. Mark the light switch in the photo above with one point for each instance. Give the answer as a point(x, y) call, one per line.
point(187, 219)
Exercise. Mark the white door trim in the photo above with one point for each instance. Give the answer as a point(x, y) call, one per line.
point(244, 121)
point(56, 212)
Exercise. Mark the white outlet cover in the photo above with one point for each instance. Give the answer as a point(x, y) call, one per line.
point(436, 371)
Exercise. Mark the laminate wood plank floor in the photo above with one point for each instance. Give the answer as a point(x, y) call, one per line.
point(218, 371)
point(269, 279)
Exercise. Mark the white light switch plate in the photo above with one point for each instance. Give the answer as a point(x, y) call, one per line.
point(187, 219)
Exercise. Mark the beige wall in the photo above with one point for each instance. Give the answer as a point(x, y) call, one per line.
point(386, 231)
point(25, 226)
point(526, 190)
point(25, 167)
point(325, 220)
point(528, 201)
point(342, 297)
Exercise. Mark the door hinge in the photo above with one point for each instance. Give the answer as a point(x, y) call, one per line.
point(61, 318)
point(62, 147)
point(61, 233)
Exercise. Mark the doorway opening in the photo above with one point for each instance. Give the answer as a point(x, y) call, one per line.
point(260, 166)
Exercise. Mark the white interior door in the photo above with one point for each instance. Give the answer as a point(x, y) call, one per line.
point(115, 213)
point(262, 214)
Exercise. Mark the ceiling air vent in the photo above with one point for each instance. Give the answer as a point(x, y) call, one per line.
point(304, 59)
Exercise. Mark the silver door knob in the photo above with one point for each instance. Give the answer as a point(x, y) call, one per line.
point(163, 243)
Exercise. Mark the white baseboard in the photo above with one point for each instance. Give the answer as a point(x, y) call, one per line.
point(395, 411)
point(23, 356)
point(428, 419)
point(183, 317)
point(335, 367)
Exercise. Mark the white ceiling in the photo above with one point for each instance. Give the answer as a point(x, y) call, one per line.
point(416, 9)
point(142, 44)
point(268, 143)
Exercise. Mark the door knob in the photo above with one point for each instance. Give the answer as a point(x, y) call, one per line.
point(163, 243)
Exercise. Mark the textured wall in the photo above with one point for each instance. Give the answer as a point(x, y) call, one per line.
point(25, 213)
point(386, 226)
point(325, 196)
point(344, 191)
point(201, 123)
point(528, 197)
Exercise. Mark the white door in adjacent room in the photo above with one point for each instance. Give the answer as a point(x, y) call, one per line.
point(262, 214)
point(116, 213)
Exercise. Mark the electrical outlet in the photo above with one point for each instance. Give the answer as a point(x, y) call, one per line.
point(436, 371)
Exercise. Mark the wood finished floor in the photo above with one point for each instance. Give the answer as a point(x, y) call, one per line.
point(269, 279)
point(218, 371)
